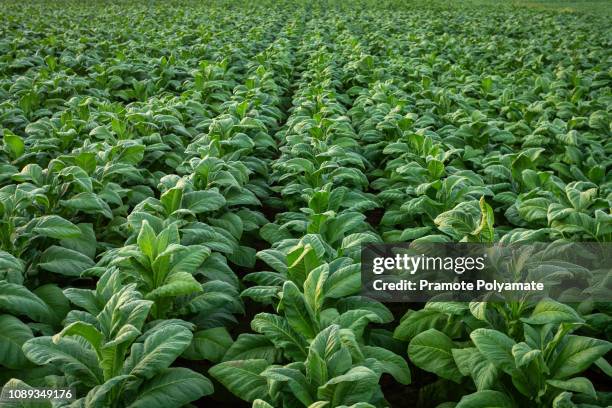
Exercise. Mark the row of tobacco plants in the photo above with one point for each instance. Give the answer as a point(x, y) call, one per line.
point(185, 189)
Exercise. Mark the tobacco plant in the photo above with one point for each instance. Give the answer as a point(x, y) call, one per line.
point(185, 189)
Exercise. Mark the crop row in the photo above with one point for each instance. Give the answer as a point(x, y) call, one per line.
point(183, 204)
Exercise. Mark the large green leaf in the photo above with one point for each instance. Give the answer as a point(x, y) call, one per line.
point(147, 240)
point(84, 330)
point(577, 354)
point(431, 351)
point(177, 284)
point(160, 350)
point(64, 261)
point(486, 399)
point(419, 321)
point(100, 396)
point(253, 346)
point(58, 304)
point(88, 203)
point(209, 344)
point(190, 259)
point(577, 384)
point(86, 243)
point(12, 336)
point(298, 313)
point(203, 201)
point(172, 387)
point(389, 362)
point(13, 144)
point(243, 378)
point(550, 311)
point(295, 379)
point(72, 356)
point(11, 268)
point(523, 354)
point(314, 292)
point(344, 282)
point(171, 199)
point(460, 221)
point(357, 385)
point(278, 330)
point(54, 226)
point(17, 384)
point(471, 362)
point(18, 300)
point(496, 347)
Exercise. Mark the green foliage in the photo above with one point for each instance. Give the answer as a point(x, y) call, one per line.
point(185, 188)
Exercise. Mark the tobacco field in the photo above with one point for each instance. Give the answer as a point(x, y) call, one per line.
point(185, 188)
